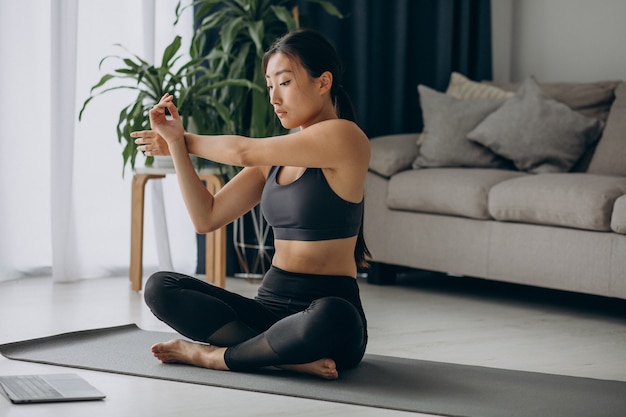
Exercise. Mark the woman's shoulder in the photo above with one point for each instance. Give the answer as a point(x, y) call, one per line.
point(340, 123)
point(347, 142)
point(342, 129)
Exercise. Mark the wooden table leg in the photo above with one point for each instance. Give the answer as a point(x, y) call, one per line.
point(136, 228)
point(215, 267)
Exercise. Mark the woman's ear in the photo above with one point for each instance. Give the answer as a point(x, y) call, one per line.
point(326, 82)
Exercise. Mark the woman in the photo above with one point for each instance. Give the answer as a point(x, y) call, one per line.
point(307, 316)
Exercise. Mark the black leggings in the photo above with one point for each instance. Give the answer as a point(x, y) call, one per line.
point(294, 319)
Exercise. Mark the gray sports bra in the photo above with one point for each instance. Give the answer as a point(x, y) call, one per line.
point(308, 209)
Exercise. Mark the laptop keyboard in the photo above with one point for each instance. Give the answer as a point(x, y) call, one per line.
point(30, 387)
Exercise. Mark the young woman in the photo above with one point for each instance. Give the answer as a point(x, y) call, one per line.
point(307, 316)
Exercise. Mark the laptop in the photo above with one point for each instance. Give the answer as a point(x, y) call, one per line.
point(25, 389)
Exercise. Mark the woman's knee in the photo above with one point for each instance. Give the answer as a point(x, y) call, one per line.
point(328, 326)
point(331, 309)
point(346, 327)
point(330, 317)
point(156, 289)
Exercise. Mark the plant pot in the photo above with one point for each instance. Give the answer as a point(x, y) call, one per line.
point(166, 162)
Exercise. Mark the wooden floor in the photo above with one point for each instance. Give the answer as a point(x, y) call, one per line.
point(428, 317)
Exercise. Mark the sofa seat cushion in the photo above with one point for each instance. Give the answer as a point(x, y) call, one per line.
point(618, 218)
point(452, 191)
point(576, 200)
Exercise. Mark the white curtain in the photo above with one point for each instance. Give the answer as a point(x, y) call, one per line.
point(64, 205)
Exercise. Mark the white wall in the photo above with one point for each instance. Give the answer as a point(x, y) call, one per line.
point(559, 40)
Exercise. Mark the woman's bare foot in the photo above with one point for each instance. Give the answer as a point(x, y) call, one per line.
point(183, 351)
point(212, 357)
point(324, 368)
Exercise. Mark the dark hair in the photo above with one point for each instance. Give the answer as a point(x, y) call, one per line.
point(317, 55)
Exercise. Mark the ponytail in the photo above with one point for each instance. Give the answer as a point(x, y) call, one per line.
point(345, 110)
point(361, 252)
point(343, 104)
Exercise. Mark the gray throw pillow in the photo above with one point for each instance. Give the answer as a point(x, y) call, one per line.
point(447, 120)
point(393, 153)
point(537, 133)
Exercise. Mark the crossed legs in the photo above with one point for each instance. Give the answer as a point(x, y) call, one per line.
point(231, 332)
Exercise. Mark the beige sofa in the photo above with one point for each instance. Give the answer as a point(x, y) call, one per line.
point(548, 224)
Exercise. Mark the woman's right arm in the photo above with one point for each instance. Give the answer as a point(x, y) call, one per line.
point(208, 212)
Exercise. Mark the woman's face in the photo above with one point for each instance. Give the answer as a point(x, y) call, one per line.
point(297, 98)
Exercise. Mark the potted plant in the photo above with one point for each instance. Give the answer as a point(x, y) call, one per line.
point(191, 82)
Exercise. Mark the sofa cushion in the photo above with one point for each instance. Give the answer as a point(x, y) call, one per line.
point(610, 154)
point(590, 99)
point(463, 88)
point(537, 133)
point(618, 218)
point(452, 191)
point(447, 120)
point(576, 200)
point(393, 153)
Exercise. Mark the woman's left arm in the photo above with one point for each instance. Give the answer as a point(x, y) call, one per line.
point(331, 143)
point(328, 144)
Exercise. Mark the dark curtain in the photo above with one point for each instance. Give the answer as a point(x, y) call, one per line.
point(388, 47)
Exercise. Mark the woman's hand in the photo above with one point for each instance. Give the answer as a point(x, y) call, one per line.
point(151, 143)
point(169, 127)
point(167, 130)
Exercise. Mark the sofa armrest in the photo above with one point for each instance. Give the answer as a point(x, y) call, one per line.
point(393, 153)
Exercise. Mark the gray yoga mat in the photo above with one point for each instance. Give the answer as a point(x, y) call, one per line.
point(379, 381)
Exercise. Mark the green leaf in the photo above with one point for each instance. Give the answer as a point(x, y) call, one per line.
point(80, 114)
point(256, 31)
point(131, 64)
point(238, 66)
point(213, 21)
point(247, 5)
point(126, 71)
point(170, 51)
point(120, 124)
point(125, 87)
point(205, 7)
point(329, 7)
point(179, 11)
point(229, 32)
point(285, 16)
point(105, 78)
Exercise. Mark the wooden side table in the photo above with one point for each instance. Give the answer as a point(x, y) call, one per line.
point(215, 242)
